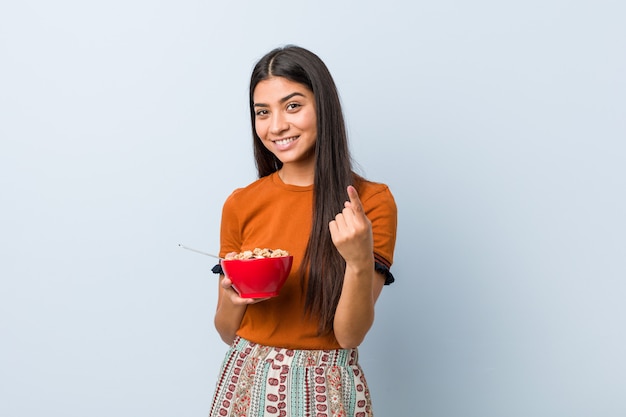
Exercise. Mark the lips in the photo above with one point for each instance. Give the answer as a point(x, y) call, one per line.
point(284, 144)
point(285, 141)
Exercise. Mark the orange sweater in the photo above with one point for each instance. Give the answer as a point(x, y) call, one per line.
point(271, 214)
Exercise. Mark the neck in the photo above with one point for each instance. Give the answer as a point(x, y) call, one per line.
point(297, 175)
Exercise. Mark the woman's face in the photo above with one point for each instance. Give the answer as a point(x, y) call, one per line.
point(285, 120)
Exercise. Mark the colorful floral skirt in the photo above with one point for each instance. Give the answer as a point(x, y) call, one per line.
point(259, 381)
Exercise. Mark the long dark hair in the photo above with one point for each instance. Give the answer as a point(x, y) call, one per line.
point(333, 172)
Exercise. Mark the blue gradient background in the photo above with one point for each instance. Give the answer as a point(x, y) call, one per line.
point(499, 126)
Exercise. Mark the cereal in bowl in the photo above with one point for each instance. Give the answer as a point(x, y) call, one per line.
point(258, 253)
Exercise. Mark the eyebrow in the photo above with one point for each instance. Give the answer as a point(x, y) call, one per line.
point(282, 100)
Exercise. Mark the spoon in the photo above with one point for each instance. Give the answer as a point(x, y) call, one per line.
point(199, 251)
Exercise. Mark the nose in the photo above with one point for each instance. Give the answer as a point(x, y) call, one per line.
point(278, 124)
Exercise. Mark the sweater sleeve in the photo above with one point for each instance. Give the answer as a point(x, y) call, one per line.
point(380, 208)
point(230, 227)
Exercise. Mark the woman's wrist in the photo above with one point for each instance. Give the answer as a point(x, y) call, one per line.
point(360, 267)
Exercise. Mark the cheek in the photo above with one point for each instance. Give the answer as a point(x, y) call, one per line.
point(308, 121)
point(313, 128)
point(259, 128)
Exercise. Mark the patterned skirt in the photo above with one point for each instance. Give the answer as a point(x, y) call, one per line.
point(258, 381)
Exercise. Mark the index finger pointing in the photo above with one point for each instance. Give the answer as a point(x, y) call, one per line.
point(355, 201)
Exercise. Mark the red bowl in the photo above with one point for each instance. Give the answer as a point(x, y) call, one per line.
point(258, 278)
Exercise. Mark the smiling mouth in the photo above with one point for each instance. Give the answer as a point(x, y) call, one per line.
point(285, 141)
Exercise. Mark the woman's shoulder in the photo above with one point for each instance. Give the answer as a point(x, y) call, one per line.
point(250, 189)
point(369, 189)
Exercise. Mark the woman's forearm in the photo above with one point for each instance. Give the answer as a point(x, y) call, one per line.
point(228, 316)
point(355, 311)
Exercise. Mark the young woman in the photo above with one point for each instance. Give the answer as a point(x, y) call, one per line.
point(296, 354)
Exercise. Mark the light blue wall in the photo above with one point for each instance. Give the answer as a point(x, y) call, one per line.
point(499, 126)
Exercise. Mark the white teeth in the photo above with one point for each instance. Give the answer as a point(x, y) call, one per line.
point(284, 141)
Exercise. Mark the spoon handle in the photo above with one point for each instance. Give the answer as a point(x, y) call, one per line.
point(199, 251)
